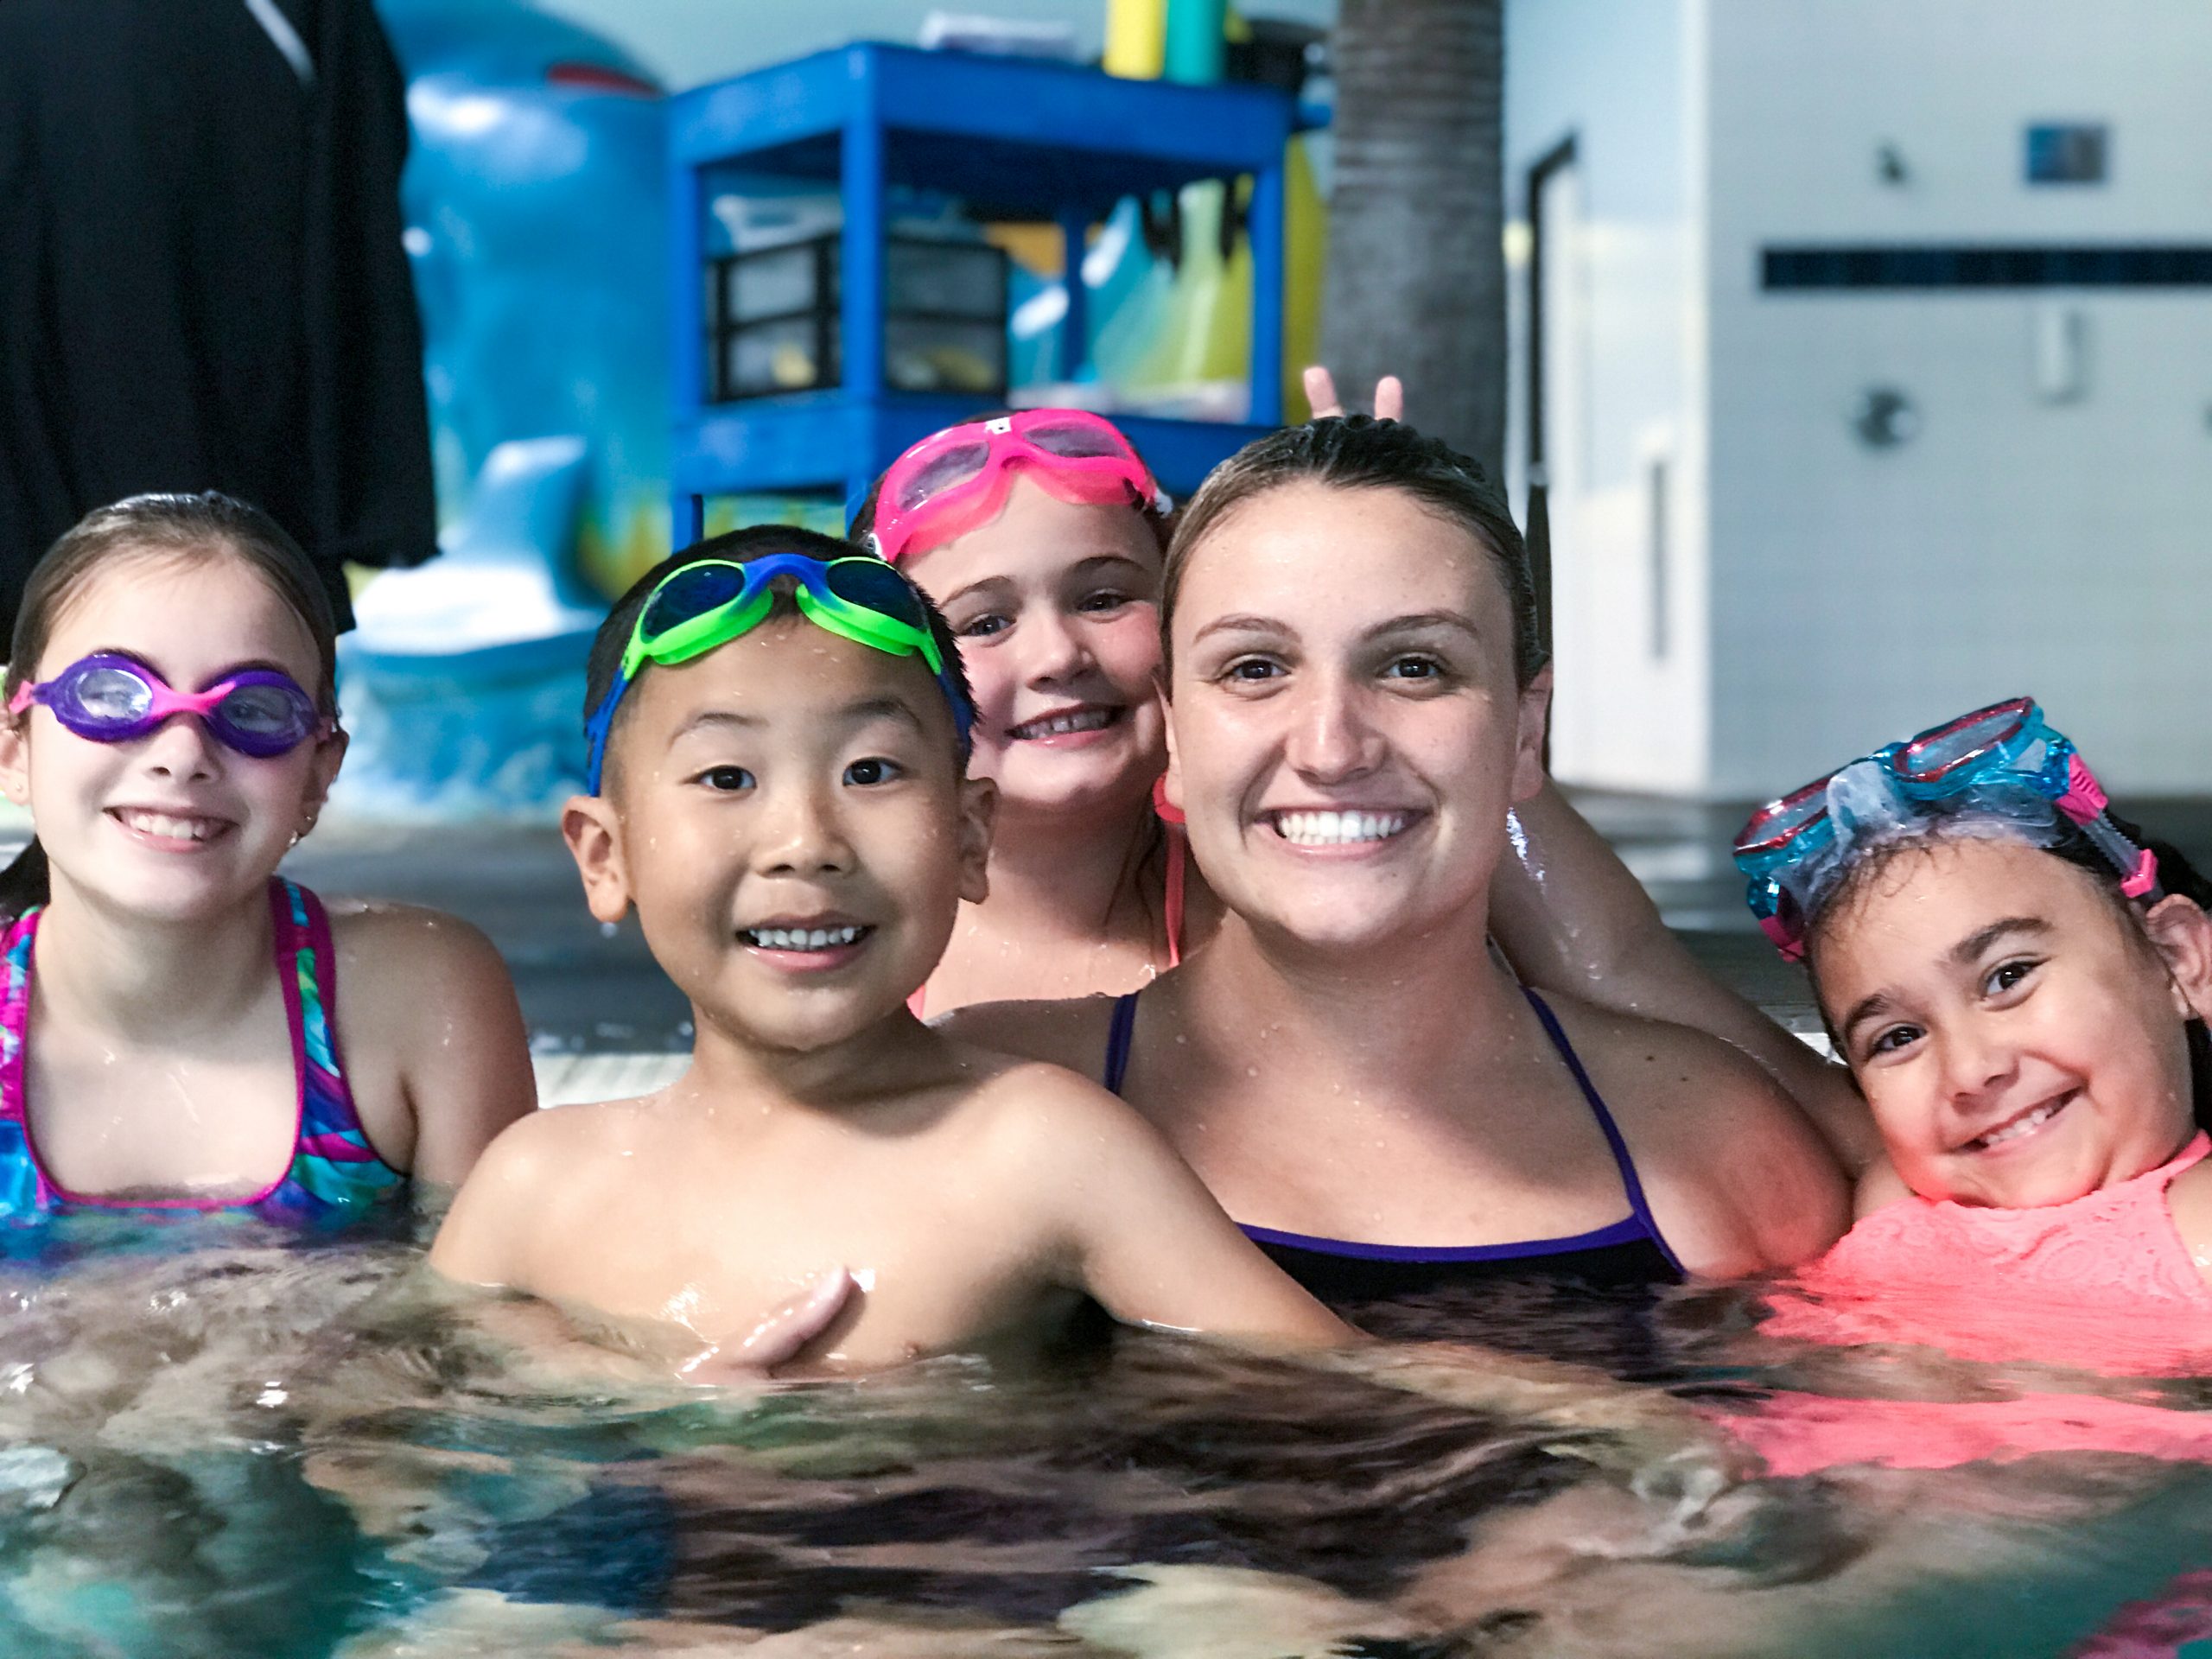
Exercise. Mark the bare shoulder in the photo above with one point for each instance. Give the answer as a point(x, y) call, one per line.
point(1667, 1083)
point(1739, 1177)
point(2188, 1199)
point(1071, 1034)
point(1035, 1120)
point(396, 946)
point(536, 1171)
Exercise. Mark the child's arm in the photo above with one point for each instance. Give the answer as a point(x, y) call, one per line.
point(429, 1004)
point(1145, 1238)
point(1570, 918)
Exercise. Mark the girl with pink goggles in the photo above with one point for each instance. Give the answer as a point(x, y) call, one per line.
point(957, 478)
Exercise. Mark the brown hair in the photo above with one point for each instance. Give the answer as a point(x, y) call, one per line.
point(1355, 452)
point(183, 526)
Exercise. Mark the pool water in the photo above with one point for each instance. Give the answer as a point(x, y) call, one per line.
point(226, 1442)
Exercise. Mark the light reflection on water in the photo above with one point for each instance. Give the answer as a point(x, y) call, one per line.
point(266, 1448)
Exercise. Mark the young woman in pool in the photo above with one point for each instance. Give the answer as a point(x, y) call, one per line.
point(171, 1010)
point(1039, 535)
point(1356, 702)
point(1570, 918)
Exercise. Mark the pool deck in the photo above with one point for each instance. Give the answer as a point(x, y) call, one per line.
point(598, 1008)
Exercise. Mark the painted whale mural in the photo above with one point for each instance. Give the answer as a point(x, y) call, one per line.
point(533, 200)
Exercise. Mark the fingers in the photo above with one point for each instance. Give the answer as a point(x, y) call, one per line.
point(777, 1339)
point(791, 1325)
point(1321, 393)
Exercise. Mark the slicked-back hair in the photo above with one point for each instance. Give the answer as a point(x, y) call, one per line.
point(1356, 452)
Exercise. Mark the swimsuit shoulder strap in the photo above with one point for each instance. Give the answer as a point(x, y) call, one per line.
point(1178, 857)
point(23, 1189)
point(1639, 1207)
point(1118, 1035)
point(334, 1165)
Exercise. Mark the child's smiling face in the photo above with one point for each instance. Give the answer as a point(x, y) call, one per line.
point(787, 814)
point(1056, 606)
point(172, 825)
point(2020, 1041)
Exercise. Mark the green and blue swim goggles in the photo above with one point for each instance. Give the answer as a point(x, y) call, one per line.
point(701, 606)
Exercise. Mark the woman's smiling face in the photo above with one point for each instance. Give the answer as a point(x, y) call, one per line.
point(1346, 730)
point(1056, 606)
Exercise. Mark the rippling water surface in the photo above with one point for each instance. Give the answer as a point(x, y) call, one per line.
point(258, 1447)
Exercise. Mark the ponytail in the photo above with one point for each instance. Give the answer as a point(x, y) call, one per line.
point(25, 884)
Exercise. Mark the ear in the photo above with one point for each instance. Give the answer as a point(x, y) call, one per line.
point(2182, 934)
point(1171, 781)
point(593, 831)
point(16, 757)
point(1535, 708)
point(979, 809)
point(323, 772)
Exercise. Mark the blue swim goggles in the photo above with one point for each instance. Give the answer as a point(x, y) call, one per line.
point(698, 606)
point(2005, 759)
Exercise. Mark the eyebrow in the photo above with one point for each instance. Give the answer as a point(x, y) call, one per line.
point(1240, 622)
point(982, 583)
point(856, 713)
point(229, 673)
point(1965, 951)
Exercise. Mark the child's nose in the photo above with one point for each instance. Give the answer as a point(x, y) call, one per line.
point(1056, 650)
point(182, 750)
point(802, 836)
point(1974, 1061)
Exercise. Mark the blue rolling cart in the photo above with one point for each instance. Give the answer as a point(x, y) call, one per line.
point(1012, 140)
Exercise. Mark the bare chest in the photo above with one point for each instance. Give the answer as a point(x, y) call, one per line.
point(709, 1252)
point(111, 1122)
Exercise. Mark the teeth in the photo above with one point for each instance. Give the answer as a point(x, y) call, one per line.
point(169, 829)
point(1338, 829)
point(801, 938)
point(1080, 720)
point(2019, 1126)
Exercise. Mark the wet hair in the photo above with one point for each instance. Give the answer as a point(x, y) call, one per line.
point(184, 527)
point(2175, 875)
point(1356, 452)
point(739, 547)
point(863, 528)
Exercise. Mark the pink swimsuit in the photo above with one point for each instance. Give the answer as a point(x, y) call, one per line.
point(2104, 1282)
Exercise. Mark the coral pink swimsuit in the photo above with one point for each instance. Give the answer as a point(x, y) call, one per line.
point(2104, 1283)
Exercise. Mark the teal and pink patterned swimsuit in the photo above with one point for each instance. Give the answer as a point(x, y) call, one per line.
point(334, 1172)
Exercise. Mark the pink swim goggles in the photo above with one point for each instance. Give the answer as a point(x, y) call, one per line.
point(957, 478)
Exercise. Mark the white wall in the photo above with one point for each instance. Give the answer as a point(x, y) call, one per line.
point(2064, 550)
point(1623, 373)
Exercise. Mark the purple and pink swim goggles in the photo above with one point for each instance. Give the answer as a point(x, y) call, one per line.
point(2003, 765)
point(108, 698)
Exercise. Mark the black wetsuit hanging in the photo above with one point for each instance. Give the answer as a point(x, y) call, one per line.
point(202, 280)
